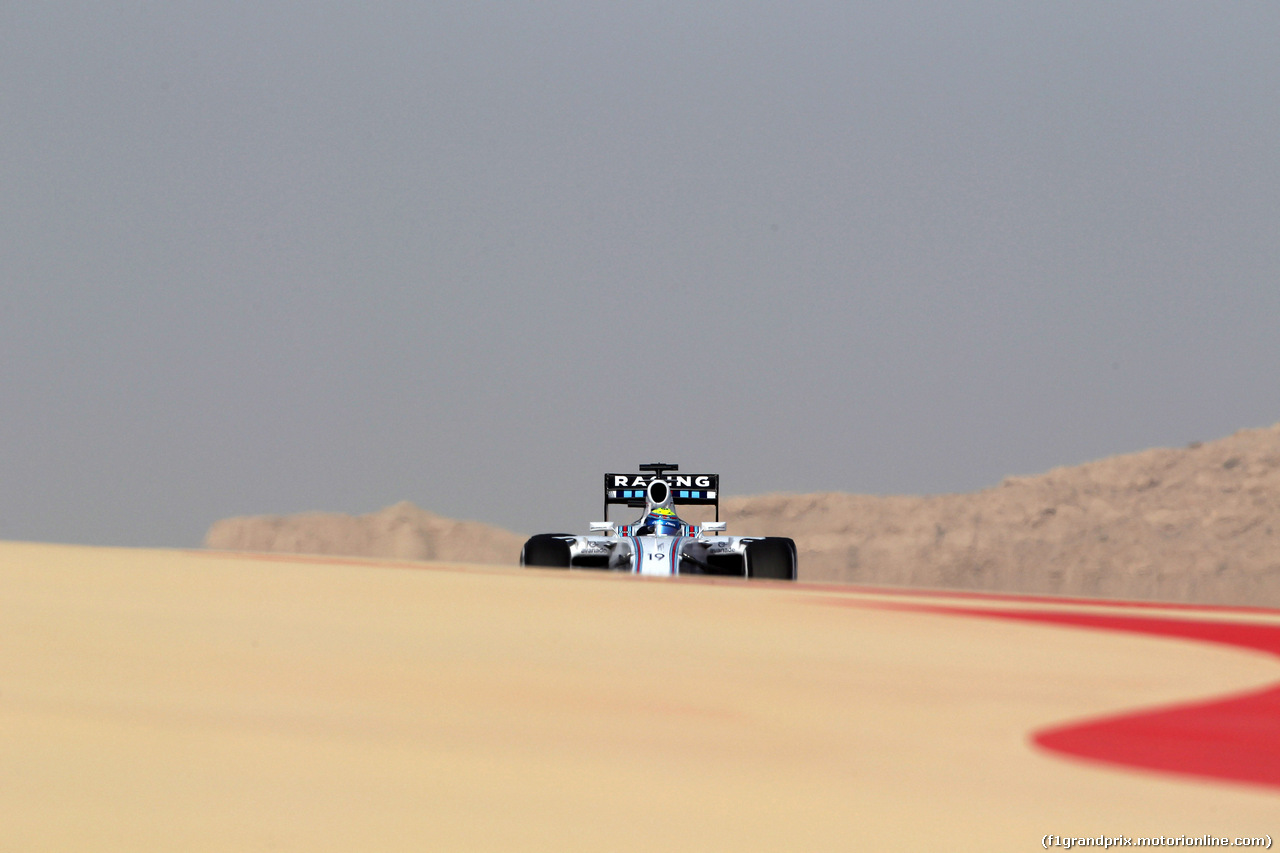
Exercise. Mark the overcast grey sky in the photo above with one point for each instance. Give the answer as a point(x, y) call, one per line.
point(286, 256)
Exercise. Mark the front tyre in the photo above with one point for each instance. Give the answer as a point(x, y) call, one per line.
point(545, 550)
point(772, 558)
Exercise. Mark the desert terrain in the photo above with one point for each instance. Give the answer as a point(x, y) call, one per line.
point(401, 531)
point(1193, 524)
point(200, 700)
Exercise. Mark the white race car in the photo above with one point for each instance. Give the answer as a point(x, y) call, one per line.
point(660, 542)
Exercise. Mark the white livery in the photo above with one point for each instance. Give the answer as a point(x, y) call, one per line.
point(660, 542)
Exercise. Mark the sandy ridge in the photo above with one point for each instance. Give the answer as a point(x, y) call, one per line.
point(401, 531)
point(1200, 523)
point(1195, 524)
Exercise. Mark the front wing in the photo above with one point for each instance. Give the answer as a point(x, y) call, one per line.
point(728, 556)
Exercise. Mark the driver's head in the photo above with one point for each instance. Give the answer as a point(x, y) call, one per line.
point(664, 522)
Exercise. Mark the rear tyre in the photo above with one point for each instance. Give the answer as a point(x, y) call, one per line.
point(772, 558)
point(545, 550)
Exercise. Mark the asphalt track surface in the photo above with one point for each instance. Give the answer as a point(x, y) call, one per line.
point(167, 700)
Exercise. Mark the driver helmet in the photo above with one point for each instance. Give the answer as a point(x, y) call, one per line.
point(664, 522)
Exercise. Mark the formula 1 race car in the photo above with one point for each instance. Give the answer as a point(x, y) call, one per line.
point(660, 542)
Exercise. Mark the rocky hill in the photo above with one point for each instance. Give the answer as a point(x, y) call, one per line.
point(401, 531)
point(1200, 523)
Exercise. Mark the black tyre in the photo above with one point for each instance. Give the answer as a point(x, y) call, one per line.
point(545, 550)
point(772, 558)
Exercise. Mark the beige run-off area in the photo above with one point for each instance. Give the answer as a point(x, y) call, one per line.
point(1193, 524)
point(169, 700)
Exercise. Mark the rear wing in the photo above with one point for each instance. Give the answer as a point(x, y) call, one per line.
point(629, 489)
